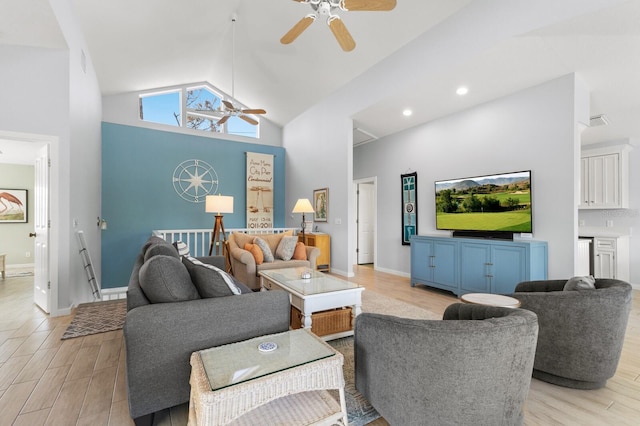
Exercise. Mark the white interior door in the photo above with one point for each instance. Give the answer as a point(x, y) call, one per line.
point(41, 230)
point(366, 228)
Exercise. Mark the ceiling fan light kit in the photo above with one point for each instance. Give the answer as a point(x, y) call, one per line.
point(337, 26)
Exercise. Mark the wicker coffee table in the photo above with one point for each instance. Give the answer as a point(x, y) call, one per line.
point(241, 384)
point(318, 293)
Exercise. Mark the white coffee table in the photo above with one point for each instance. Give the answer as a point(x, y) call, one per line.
point(321, 292)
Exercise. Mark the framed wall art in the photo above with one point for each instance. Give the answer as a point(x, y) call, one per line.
point(409, 206)
point(321, 204)
point(13, 205)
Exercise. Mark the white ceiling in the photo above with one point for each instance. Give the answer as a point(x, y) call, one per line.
point(155, 43)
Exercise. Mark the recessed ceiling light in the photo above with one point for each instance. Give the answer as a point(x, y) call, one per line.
point(462, 90)
point(407, 112)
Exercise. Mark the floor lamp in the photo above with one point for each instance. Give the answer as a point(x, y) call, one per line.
point(303, 205)
point(218, 204)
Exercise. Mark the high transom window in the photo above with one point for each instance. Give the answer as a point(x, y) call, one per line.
point(194, 107)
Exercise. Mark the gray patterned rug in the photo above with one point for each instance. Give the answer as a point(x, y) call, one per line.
point(97, 317)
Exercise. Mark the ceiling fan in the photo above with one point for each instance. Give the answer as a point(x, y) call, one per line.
point(229, 109)
point(339, 30)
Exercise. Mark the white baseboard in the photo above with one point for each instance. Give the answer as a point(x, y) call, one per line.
point(20, 265)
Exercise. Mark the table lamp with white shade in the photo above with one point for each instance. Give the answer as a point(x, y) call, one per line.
point(303, 205)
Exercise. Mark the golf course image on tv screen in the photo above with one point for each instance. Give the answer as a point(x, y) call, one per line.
point(500, 202)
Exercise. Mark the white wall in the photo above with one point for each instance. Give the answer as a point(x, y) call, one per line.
point(84, 155)
point(319, 140)
point(501, 136)
point(68, 105)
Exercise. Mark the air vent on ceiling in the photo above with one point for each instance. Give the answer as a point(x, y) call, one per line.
point(362, 136)
point(598, 120)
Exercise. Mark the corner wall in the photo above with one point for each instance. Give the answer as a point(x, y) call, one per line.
point(501, 136)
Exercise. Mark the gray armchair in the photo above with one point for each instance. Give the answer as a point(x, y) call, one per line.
point(472, 368)
point(581, 331)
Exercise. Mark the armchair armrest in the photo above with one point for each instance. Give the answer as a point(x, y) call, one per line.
point(540, 286)
point(312, 255)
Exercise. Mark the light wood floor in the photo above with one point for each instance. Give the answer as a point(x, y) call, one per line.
point(81, 381)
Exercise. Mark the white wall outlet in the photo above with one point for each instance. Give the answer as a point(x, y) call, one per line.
point(581, 223)
point(609, 224)
point(27, 254)
point(75, 223)
point(338, 221)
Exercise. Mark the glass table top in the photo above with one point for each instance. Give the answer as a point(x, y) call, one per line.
point(239, 362)
point(318, 283)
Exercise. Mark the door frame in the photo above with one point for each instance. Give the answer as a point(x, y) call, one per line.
point(373, 180)
point(54, 206)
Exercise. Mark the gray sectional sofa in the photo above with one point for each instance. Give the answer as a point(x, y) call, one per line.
point(168, 319)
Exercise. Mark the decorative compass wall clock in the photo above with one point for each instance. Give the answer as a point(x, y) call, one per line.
point(194, 179)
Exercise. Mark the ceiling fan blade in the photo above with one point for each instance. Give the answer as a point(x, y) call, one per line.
point(253, 111)
point(223, 120)
point(228, 104)
point(297, 29)
point(249, 120)
point(341, 34)
point(368, 5)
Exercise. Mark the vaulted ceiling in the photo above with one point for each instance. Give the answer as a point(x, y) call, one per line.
point(144, 44)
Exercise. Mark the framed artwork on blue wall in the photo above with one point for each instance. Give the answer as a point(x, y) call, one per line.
point(409, 206)
point(13, 205)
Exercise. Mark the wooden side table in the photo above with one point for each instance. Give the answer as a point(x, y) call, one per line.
point(323, 242)
point(490, 300)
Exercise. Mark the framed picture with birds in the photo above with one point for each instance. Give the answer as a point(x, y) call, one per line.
point(13, 205)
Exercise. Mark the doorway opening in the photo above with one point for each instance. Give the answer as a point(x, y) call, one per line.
point(366, 222)
point(36, 150)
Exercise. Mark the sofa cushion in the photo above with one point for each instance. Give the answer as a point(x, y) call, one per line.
point(580, 283)
point(165, 279)
point(164, 249)
point(210, 280)
point(266, 250)
point(277, 264)
point(256, 252)
point(300, 252)
point(286, 248)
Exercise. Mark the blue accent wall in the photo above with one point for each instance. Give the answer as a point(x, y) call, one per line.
point(138, 194)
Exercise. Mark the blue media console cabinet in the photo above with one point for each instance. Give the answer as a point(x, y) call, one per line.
point(470, 265)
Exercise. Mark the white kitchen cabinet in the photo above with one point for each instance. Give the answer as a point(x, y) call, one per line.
point(604, 177)
point(611, 257)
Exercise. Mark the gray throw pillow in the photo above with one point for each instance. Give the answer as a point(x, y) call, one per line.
point(266, 251)
point(210, 280)
point(151, 241)
point(165, 279)
point(164, 249)
point(580, 283)
point(286, 248)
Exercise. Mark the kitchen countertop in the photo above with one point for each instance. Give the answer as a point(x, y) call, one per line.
point(589, 231)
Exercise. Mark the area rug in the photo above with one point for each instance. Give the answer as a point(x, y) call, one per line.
point(97, 317)
point(359, 411)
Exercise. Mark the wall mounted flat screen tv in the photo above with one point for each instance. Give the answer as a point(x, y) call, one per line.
point(492, 203)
